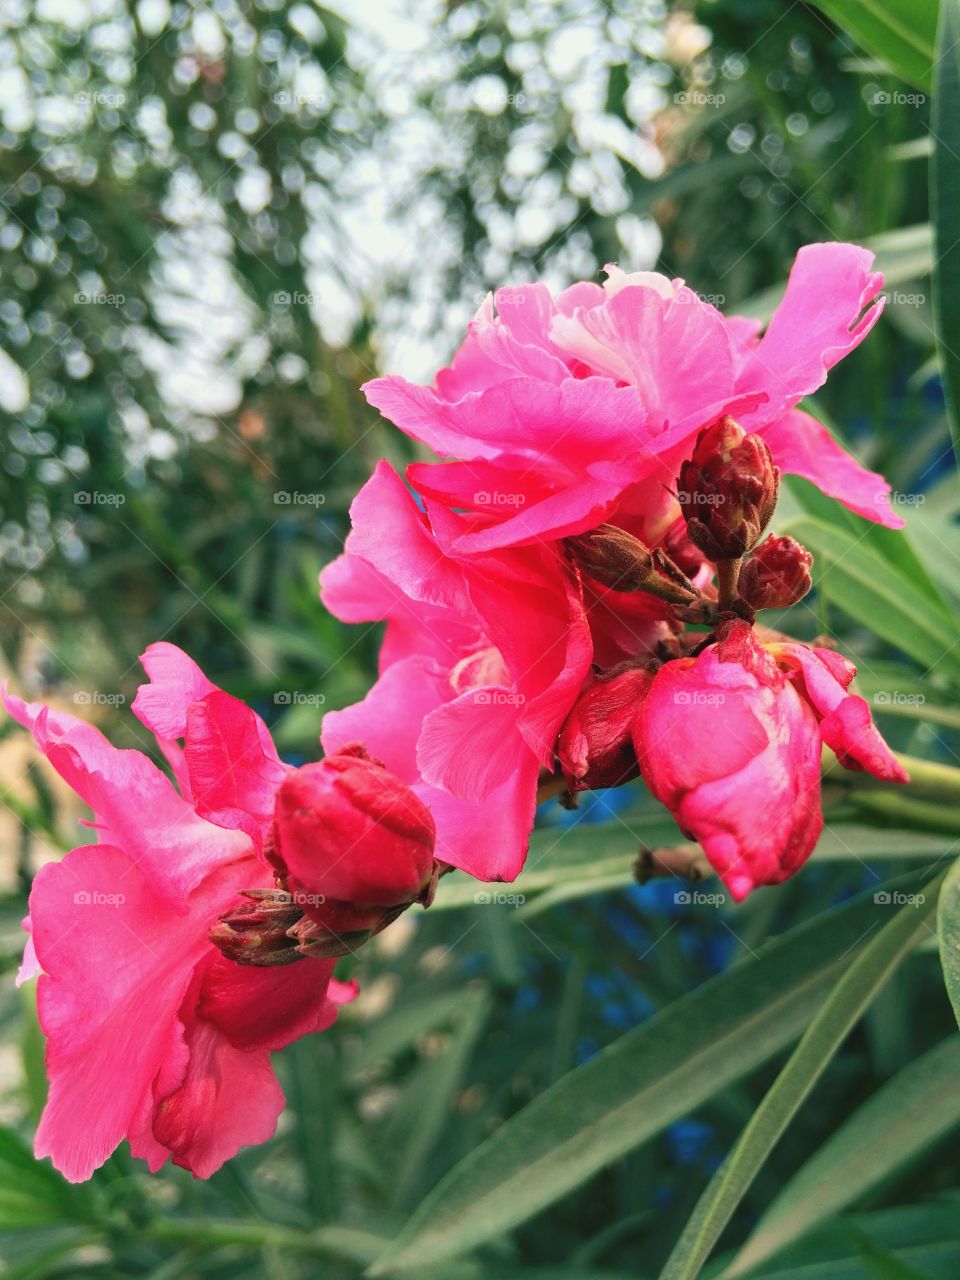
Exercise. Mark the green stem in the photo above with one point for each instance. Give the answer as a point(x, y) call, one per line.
point(929, 779)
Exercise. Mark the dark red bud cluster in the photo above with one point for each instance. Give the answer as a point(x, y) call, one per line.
point(727, 491)
point(777, 574)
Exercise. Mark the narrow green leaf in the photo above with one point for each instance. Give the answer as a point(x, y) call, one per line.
point(901, 32)
point(948, 931)
point(917, 1106)
point(636, 1087)
point(861, 981)
point(945, 204)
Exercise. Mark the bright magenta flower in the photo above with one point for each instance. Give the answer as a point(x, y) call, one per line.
point(482, 660)
point(563, 413)
point(730, 742)
point(153, 1033)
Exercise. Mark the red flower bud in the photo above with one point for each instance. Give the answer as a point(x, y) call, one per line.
point(777, 574)
point(595, 746)
point(350, 839)
point(728, 491)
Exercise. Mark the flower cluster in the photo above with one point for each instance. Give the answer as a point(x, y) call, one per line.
point(572, 593)
point(200, 933)
point(610, 456)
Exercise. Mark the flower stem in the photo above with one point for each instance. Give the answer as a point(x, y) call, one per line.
point(728, 575)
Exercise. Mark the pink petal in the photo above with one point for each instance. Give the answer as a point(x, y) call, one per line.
point(845, 721)
point(268, 1008)
point(175, 682)
point(160, 833)
point(674, 350)
point(229, 1099)
point(820, 319)
point(497, 349)
point(802, 447)
point(488, 838)
point(389, 719)
point(472, 745)
point(116, 964)
point(30, 965)
point(233, 765)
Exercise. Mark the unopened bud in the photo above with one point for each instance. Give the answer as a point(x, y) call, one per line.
point(257, 931)
point(777, 574)
point(348, 831)
point(728, 490)
point(684, 554)
point(595, 745)
point(618, 560)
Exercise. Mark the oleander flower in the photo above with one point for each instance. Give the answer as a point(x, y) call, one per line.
point(482, 660)
point(559, 414)
point(173, 957)
point(730, 742)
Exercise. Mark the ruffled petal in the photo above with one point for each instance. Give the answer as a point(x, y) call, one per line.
point(175, 682)
point(233, 765)
point(116, 965)
point(846, 724)
point(825, 313)
point(160, 833)
point(802, 447)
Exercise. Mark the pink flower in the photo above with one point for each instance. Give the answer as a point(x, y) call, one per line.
point(153, 1034)
point(562, 413)
point(482, 660)
point(730, 742)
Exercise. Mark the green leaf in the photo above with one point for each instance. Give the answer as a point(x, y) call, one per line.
point(33, 1194)
point(945, 204)
point(901, 32)
point(948, 931)
point(854, 991)
point(643, 1082)
point(876, 594)
point(917, 1106)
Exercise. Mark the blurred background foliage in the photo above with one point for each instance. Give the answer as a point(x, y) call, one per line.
point(216, 221)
